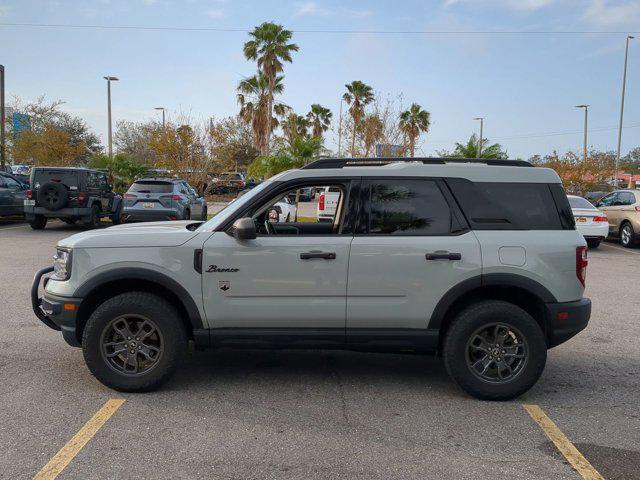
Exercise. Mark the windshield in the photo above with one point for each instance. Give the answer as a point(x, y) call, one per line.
point(238, 202)
point(579, 202)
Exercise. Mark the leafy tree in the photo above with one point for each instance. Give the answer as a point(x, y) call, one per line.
point(270, 47)
point(134, 140)
point(294, 126)
point(300, 152)
point(470, 150)
point(579, 176)
point(319, 118)
point(232, 144)
point(372, 130)
point(48, 146)
point(253, 98)
point(413, 122)
point(122, 169)
point(358, 96)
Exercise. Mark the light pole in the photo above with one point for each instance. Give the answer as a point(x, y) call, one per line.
point(2, 140)
point(109, 80)
point(586, 116)
point(624, 85)
point(161, 108)
point(480, 139)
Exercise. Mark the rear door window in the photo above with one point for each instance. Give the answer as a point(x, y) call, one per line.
point(407, 207)
point(507, 206)
point(151, 186)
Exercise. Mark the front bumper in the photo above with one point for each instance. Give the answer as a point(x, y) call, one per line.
point(566, 320)
point(57, 313)
point(31, 211)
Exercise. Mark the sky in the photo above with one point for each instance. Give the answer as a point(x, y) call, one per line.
point(518, 63)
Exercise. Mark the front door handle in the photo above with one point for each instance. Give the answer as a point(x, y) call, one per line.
point(318, 254)
point(440, 255)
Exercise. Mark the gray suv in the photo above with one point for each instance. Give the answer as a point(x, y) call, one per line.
point(150, 199)
point(476, 261)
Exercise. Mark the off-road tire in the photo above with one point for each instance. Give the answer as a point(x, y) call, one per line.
point(116, 216)
point(204, 214)
point(593, 242)
point(94, 220)
point(463, 328)
point(39, 222)
point(52, 196)
point(167, 320)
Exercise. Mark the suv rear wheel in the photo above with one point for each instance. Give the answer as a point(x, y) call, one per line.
point(627, 235)
point(94, 219)
point(494, 350)
point(133, 342)
point(39, 222)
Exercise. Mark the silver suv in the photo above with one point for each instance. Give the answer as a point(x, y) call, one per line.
point(150, 199)
point(478, 261)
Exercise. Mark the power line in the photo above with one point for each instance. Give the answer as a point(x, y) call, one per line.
point(322, 30)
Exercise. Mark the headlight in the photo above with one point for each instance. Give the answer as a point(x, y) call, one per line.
point(62, 264)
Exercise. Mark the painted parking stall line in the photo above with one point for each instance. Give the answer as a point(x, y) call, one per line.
point(67, 453)
point(563, 444)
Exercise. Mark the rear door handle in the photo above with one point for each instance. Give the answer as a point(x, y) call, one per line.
point(318, 254)
point(443, 256)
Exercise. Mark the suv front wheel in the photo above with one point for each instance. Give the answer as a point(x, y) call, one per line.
point(494, 350)
point(133, 342)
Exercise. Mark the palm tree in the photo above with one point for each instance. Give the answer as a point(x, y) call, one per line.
point(294, 126)
point(470, 150)
point(270, 48)
point(320, 119)
point(358, 95)
point(253, 94)
point(412, 123)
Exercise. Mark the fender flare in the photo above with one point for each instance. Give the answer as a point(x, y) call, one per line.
point(117, 201)
point(131, 273)
point(487, 280)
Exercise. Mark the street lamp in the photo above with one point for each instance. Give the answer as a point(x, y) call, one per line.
point(624, 85)
point(2, 144)
point(586, 115)
point(161, 108)
point(109, 80)
point(480, 139)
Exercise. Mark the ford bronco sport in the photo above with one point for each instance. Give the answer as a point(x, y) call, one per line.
point(478, 261)
point(70, 194)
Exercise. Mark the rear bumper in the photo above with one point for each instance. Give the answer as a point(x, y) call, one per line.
point(30, 212)
point(566, 320)
point(150, 215)
point(594, 231)
point(57, 313)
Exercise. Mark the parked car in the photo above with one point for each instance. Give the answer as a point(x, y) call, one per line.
point(478, 262)
point(70, 194)
point(284, 210)
point(307, 194)
point(12, 195)
point(22, 172)
point(590, 222)
point(327, 204)
point(227, 182)
point(153, 199)
point(595, 196)
point(623, 212)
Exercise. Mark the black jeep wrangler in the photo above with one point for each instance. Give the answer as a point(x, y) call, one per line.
point(70, 194)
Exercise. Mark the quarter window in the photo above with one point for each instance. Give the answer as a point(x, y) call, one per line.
point(408, 207)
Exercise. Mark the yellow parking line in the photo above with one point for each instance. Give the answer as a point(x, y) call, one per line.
point(64, 456)
point(563, 444)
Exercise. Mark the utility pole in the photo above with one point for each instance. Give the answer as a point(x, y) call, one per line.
point(2, 119)
point(340, 131)
point(624, 85)
point(586, 117)
point(109, 80)
point(480, 139)
point(163, 123)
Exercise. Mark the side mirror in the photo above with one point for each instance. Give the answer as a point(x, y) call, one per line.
point(244, 229)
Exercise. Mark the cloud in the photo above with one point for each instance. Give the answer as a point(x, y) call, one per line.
point(4, 10)
point(523, 5)
point(310, 9)
point(603, 14)
point(214, 13)
point(149, 2)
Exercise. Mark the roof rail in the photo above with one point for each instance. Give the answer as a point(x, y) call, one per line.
point(372, 162)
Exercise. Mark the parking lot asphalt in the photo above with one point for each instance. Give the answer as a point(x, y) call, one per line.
point(317, 414)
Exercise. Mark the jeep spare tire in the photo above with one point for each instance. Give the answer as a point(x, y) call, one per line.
point(53, 196)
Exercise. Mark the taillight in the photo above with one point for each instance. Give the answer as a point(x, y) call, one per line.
point(29, 194)
point(130, 195)
point(600, 219)
point(172, 197)
point(581, 264)
point(82, 197)
point(321, 202)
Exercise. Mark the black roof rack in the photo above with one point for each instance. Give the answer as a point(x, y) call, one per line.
point(372, 162)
